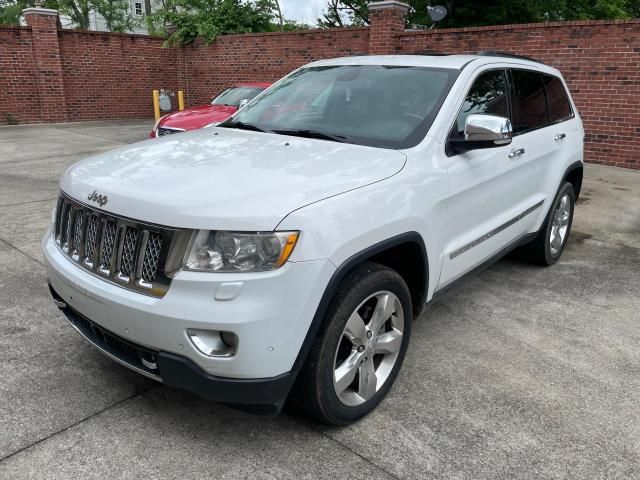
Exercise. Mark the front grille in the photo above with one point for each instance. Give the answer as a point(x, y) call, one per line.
point(120, 250)
point(162, 131)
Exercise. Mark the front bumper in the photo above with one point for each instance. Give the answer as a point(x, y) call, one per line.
point(264, 395)
point(270, 314)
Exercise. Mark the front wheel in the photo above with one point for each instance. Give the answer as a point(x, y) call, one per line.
point(354, 362)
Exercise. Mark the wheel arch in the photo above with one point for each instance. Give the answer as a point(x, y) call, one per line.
point(573, 174)
point(383, 253)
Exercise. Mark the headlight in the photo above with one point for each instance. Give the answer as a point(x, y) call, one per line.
point(220, 251)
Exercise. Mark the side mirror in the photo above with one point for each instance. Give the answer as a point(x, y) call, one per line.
point(483, 131)
point(243, 102)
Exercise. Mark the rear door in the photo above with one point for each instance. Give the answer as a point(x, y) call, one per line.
point(530, 119)
point(537, 109)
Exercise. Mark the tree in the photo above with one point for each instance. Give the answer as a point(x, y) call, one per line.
point(210, 18)
point(339, 12)
point(279, 14)
point(115, 12)
point(465, 13)
point(10, 11)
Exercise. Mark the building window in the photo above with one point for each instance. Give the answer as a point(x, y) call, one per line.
point(137, 8)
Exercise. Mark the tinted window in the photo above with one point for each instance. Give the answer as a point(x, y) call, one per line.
point(559, 105)
point(377, 105)
point(530, 105)
point(488, 94)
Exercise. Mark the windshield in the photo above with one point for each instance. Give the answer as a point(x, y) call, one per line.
point(231, 96)
point(383, 106)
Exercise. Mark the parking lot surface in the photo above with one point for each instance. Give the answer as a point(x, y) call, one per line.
point(518, 372)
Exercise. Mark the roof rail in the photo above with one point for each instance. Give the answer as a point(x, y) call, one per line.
point(489, 53)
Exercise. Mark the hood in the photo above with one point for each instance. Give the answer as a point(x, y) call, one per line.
point(227, 179)
point(197, 117)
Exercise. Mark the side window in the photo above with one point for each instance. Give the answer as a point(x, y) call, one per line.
point(557, 99)
point(488, 94)
point(530, 105)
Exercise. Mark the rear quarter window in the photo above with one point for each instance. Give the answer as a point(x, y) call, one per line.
point(558, 100)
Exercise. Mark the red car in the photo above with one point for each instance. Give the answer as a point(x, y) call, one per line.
point(216, 111)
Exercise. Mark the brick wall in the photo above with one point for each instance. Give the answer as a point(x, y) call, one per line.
point(19, 95)
point(600, 60)
point(264, 57)
point(48, 74)
point(109, 75)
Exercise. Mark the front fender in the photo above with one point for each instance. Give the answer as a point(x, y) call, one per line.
point(340, 227)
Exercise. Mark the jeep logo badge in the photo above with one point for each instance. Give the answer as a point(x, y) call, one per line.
point(99, 199)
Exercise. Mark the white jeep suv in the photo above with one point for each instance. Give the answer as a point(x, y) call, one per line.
point(289, 249)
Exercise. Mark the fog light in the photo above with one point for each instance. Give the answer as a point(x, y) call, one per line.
point(213, 343)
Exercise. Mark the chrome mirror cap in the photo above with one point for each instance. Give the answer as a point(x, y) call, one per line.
point(488, 128)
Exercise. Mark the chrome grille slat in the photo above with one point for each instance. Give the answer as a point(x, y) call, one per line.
point(78, 223)
point(117, 249)
point(59, 209)
point(66, 228)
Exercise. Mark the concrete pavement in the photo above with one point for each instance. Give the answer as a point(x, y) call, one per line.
point(519, 372)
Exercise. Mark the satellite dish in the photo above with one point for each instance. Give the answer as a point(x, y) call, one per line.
point(437, 12)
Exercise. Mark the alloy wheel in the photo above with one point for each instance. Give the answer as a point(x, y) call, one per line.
point(368, 348)
point(560, 225)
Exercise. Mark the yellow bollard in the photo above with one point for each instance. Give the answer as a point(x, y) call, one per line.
point(156, 104)
point(180, 100)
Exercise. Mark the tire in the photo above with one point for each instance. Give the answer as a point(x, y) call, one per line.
point(547, 247)
point(351, 344)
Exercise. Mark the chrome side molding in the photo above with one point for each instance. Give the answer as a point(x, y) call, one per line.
point(495, 231)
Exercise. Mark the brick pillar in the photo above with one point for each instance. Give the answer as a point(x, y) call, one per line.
point(388, 19)
point(44, 24)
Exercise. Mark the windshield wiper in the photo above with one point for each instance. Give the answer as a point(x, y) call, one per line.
point(245, 126)
point(312, 134)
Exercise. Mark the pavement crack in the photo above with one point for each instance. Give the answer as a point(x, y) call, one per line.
point(27, 202)
point(97, 137)
point(75, 424)
point(359, 455)
point(21, 251)
point(54, 156)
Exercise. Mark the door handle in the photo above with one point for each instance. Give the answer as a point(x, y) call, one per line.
point(516, 153)
point(559, 136)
